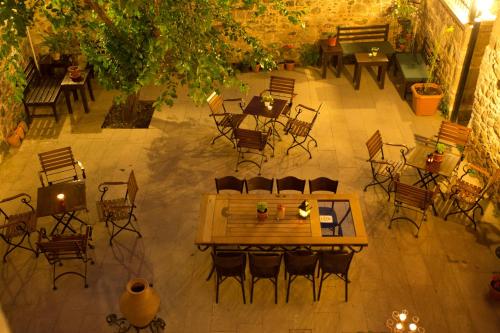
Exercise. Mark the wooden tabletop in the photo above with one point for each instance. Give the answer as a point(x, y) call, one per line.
point(365, 58)
point(74, 198)
point(257, 108)
point(418, 159)
point(337, 49)
point(67, 82)
point(230, 219)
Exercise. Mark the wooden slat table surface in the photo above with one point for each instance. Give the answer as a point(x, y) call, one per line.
point(230, 219)
point(418, 158)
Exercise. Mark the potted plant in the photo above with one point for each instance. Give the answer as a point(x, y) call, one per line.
point(405, 13)
point(427, 96)
point(262, 211)
point(331, 38)
point(61, 42)
point(268, 99)
point(439, 153)
point(277, 55)
point(288, 52)
point(309, 55)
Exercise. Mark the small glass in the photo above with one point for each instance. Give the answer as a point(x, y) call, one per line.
point(374, 51)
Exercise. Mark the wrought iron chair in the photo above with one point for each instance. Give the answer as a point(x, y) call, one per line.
point(224, 121)
point(229, 183)
point(412, 198)
point(111, 211)
point(229, 264)
point(454, 135)
point(282, 88)
point(301, 129)
point(470, 189)
point(60, 248)
point(251, 142)
point(59, 166)
point(17, 228)
point(336, 263)
point(383, 171)
point(290, 183)
point(265, 266)
point(259, 183)
point(300, 263)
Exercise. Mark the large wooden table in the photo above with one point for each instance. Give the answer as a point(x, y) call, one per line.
point(230, 219)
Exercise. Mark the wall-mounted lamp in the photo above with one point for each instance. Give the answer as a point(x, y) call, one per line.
point(481, 11)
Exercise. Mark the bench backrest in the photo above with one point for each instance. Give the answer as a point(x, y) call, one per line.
point(31, 72)
point(367, 33)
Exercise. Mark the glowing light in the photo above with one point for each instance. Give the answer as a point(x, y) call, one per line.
point(412, 327)
point(60, 196)
point(484, 10)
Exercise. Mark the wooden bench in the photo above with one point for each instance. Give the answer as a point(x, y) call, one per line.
point(361, 39)
point(40, 91)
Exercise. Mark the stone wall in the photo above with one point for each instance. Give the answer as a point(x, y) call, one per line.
point(485, 120)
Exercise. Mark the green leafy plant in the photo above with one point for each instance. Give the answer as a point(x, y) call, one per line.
point(434, 59)
point(403, 9)
point(309, 55)
point(63, 41)
point(262, 207)
point(440, 148)
point(267, 97)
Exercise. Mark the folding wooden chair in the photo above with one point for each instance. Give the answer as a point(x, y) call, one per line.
point(383, 171)
point(119, 209)
point(301, 129)
point(224, 121)
point(60, 248)
point(251, 142)
point(412, 198)
point(282, 88)
point(59, 166)
point(454, 135)
point(17, 228)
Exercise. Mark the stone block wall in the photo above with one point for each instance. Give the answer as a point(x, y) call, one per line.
point(485, 120)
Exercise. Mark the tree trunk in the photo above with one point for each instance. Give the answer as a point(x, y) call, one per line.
point(130, 107)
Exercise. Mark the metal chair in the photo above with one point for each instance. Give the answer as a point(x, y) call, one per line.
point(59, 166)
point(454, 135)
point(301, 129)
point(224, 121)
point(412, 198)
point(336, 263)
point(470, 189)
point(300, 263)
point(251, 142)
point(229, 183)
point(229, 264)
point(259, 183)
point(264, 266)
point(383, 171)
point(60, 248)
point(290, 183)
point(282, 88)
point(119, 209)
point(17, 228)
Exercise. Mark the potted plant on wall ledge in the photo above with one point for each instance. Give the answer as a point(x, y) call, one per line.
point(288, 52)
point(427, 96)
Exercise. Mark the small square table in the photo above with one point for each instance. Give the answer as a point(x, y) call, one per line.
point(74, 200)
point(68, 85)
point(366, 60)
point(327, 52)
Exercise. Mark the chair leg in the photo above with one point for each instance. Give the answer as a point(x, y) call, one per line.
point(251, 289)
point(346, 284)
point(275, 289)
point(217, 289)
point(314, 287)
point(55, 112)
point(243, 288)
point(320, 284)
point(288, 286)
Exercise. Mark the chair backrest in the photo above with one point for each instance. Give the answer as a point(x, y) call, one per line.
point(374, 145)
point(251, 139)
point(413, 196)
point(229, 263)
point(62, 247)
point(282, 87)
point(300, 262)
point(259, 183)
point(216, 103)
point(21, 222)
point(323, 184)
point(264, 265)
point(290, 183)
point(336, 262)
point(31, 73)
point(58, 165)
point(453, 133)
point(229, 183)
point(132, 188)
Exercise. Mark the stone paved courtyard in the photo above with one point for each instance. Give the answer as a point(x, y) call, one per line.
point(442, 276)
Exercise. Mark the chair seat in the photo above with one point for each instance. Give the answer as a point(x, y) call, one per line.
point(395, 166)
point(365, 47)
point(230, 120)
point(466, 192)
point(15, 229)
point(413, 67)
point(119, 208)
point(298, 127)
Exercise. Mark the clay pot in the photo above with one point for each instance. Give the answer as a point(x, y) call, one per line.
point(262, 216)
point(20, 132)
point(281, 66)
point(256, 68)
point(139, 303)
point(289, 65)
point(332, 41)
point(14, 140)
point(437, 157)
point(74, 73)
point(426, 105)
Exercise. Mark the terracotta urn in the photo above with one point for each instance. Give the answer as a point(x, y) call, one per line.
point(139, 303)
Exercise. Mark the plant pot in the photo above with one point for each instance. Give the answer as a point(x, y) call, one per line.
point(56, 56)
point(23, 124)
point(426, 105)
point(495, 287)
point(20, 132)
point(262, 216)
point(14, 140)
point(256, 68)
point(332, 41)
point(437, 157)
point(281, 66)
point(289, 65)
point(139, 303)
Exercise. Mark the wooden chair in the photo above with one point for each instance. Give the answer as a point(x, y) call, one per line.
point(300, 263)
point(323, 184)
point(282, 88)
point(301, 129)
point(290, 183)
point(59, 166)
point(229, 264)
point(40, 91)
point(229, 183)
point(16, 229)
point(60, 248)
point(251, 142)
point(470, 189)
point(454, 135)
point(224, 121)
point(264, 266)
point(119, 209)
point(336, 263)
point(383, 171)
point(259, 183)
point(412, 198)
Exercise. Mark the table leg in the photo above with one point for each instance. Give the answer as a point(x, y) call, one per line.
point(67, 96)
point(357, 76)
point(91, 93)
point(339, 65)
point(75, 94)
point(84, 99)
point(381, 75)
point(324, 64)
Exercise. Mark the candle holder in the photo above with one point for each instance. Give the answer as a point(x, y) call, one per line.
point(61, 197)
point(400, 322)
point(374, 51)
